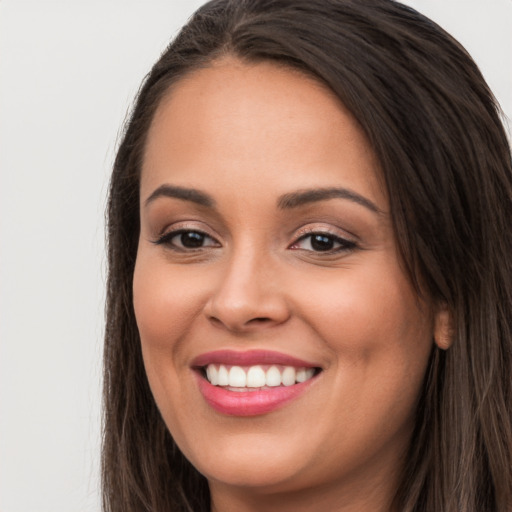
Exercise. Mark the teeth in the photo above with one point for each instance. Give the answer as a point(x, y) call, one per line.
point(237, 377)
point(256, 376)
point(212, 374)
point(273, 376)
point(303, 374)
point(288, 377)
point(222, 376)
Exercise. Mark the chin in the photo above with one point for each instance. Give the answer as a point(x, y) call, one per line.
point(251, 460)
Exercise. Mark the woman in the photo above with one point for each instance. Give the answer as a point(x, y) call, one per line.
point(309, 301)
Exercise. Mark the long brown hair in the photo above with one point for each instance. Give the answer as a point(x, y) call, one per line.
point(435, 128)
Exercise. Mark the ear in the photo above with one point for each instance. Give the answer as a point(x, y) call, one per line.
point(444, 330)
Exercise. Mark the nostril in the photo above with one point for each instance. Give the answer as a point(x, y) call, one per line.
point(236, 326)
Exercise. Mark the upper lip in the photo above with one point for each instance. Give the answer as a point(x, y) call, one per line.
point(250, 358)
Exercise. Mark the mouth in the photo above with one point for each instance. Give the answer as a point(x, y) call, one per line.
point(252, 383)
point(250, 378)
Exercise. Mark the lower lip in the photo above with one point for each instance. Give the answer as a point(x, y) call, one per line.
point(250, 403)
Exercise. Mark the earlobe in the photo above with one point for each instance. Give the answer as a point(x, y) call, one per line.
point(444, 330)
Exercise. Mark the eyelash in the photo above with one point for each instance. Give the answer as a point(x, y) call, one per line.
point(167, 238)
point(344, 244)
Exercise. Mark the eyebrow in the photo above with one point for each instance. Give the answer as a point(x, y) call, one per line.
point(285, 202)
point(303, 197)
point(187, 194)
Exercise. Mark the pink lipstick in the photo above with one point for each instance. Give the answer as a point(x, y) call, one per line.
point(252, 382)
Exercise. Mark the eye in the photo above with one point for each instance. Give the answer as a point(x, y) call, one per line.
point(323, 242)
point(184, 239)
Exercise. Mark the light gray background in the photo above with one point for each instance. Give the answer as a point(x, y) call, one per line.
point(68, 72)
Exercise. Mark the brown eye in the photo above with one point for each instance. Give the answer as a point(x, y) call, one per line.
point(191, 239)
point(323, 242)
point(187, 239)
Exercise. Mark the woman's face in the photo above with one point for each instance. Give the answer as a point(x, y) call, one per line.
point(267, 254)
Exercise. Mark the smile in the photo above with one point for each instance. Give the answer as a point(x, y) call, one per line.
point(252, 383)
point(238, 378)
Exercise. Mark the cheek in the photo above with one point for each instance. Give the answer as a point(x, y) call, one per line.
point(378, 333)
point(368, 308)
point(380, 339)
point(165, 302)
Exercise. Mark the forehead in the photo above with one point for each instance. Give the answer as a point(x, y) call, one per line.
point(254, 123)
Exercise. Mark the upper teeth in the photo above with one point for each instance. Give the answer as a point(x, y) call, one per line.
point(256, 376)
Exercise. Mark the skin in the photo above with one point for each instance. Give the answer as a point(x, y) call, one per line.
point(245, 134)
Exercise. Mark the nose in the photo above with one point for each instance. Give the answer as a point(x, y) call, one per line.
point(248, 294)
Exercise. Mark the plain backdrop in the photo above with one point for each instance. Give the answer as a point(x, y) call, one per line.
point(69, 70)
